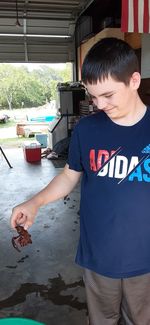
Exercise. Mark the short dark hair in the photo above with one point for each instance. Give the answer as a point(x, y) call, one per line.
point(109, 57)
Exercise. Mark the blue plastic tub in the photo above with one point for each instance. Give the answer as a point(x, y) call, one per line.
point(41, 119)
point(19, 321)
point(42, 139)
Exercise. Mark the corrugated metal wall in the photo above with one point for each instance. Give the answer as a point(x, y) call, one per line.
point(23, 18)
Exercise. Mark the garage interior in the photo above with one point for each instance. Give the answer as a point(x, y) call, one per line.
point(38, 31)
point(50, 31)
point(42, 282)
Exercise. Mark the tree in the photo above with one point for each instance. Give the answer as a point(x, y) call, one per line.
point(66, 74)
point(49, 78)
point(17, 85)
point(33, 88)
point(8, 83)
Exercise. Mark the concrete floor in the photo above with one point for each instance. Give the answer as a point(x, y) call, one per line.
point(42, 282)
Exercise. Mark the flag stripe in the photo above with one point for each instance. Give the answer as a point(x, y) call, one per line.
point(135, 16)
point(140, 15)
point(124, 16)
point(135, 22)
point(130, 15)
point(148, 16)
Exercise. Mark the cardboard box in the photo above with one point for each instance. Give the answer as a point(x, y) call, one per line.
point(32, 151)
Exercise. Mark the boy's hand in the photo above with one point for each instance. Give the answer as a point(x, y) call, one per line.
point(24, 214)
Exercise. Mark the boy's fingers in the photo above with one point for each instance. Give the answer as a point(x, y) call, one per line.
point(21, 218)
point(27, 225)
point(17, 218)
point(13, 224)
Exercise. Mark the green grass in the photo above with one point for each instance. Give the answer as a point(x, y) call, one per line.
point(8, 124)
point(14, 142)
point(16, 116)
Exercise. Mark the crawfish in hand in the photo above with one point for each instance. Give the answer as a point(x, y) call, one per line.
point(23, 238)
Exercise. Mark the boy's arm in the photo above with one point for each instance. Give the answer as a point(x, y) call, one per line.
point(60, 186)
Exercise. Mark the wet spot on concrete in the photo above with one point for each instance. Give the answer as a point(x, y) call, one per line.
point(76, 222)
point(22, 259)
point(67, 198)
point(52, 292)
point(11, 266)
point(72, 207)
point(46, 226)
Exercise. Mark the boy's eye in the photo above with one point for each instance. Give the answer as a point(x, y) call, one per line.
point(108, 96)
point(91, 97)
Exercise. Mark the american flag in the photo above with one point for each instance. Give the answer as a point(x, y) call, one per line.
point(135, 16)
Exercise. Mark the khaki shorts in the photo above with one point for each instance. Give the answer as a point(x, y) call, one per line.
point(117, 301)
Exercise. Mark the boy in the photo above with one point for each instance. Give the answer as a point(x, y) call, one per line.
point(111, 150)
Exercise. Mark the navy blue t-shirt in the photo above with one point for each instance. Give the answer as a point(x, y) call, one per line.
point(115, 195)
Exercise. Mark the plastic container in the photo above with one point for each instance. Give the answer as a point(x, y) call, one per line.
point(42, 139)
point(32, 151)
point(18, 321)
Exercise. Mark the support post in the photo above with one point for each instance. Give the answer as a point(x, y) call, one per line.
point(5, 157)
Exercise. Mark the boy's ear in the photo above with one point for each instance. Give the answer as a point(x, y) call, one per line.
point(135, 80)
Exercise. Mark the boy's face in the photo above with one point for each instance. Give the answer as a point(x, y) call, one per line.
point(115, 98)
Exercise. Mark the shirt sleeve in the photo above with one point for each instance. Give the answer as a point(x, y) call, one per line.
point(74, 155)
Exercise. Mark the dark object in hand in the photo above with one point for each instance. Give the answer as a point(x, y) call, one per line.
point(23, 239)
